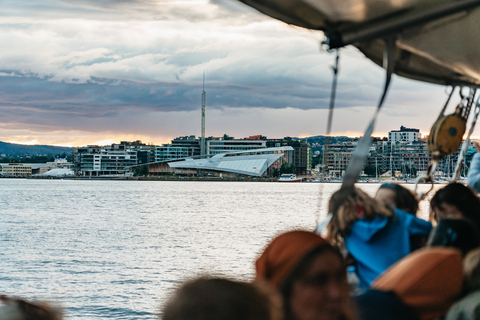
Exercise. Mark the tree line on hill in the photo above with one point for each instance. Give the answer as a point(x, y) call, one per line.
point(19, 153)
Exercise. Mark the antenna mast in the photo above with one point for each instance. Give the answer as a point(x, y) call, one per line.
point(203, 145)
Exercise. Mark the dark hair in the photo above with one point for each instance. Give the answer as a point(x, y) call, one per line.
point(462, 197)
point(210, 298)
point(405, 200)
point(25, 310)
point(456, 233)
point(301, 268)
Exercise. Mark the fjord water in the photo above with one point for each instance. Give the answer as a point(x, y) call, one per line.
point(115, 249)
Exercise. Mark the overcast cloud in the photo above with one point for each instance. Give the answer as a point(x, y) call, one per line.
point(84, 72)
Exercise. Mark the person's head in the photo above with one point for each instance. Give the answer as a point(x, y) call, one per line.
point(471, 267)
point(456, 201)
point(310, 274)
point(214, 298)
point(394, 195)
point(19, 309)
point(457, 233)
point(428, 280)
point(348, 205)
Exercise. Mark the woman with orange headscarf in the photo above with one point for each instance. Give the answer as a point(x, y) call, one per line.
point(310, 274)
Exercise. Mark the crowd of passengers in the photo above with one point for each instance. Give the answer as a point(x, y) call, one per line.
point(377, 260)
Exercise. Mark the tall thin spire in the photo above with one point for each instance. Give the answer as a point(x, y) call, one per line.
point(203, 146)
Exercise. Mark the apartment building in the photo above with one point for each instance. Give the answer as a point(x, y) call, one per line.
point(300, 156)
point(337, 157)
point(221, 145)
point(115, 159)
point(404, 135)
point(16, 170)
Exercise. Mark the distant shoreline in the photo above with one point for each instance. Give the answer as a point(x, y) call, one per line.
point(224, 179)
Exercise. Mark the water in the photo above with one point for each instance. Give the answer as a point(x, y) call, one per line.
point(115, 249)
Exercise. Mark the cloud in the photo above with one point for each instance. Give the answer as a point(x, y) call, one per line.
point(100, 67)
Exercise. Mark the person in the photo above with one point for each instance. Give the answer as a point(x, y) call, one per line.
point(394, 195)
point(19, 309)
point(455, 200)
point(217, 298)
point(309, 273)
point(421, 286)
point(469, 306)
point(457, 233)
point(374, 235)
point(473, 177)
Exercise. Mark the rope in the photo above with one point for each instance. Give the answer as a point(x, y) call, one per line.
point(360, 153)
point(321, 225)
point(333, 93)
point(433, 165)
point(466, 143)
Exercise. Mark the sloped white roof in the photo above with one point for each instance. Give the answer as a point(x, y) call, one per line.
point(58, 173)
point(249, 162)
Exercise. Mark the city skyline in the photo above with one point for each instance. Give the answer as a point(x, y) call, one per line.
point(99, 72)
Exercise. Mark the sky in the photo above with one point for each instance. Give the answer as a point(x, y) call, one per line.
point(81, 72)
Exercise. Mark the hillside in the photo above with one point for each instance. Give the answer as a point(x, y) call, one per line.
point(10, 149)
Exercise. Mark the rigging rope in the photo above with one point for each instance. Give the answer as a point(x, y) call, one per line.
point(331, 108)
point(321, 225)
point(360, 153)
point(433, 165)
point(466, 143)
point(441, 147)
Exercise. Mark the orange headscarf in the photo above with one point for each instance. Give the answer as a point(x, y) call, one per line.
point(283, 254)
point(428, 280)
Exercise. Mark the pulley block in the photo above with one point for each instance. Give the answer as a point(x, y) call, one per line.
point(446, 134)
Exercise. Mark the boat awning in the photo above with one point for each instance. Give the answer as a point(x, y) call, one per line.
point(436, 41)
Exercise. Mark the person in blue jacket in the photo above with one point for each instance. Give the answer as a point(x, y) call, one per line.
point(473, 178)
point(375, 235)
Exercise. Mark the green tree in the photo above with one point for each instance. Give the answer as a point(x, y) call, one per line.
point(141, 171)
point(287, 168)
point(318, 159)
point(369, 170)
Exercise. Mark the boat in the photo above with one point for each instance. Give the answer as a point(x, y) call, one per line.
point(289, 177)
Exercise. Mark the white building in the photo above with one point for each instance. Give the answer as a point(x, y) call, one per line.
point(106, 160)
point(222, 146)
point(404, 135)
point(249, 162)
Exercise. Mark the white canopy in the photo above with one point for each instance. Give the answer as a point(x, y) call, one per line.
point(437, 41)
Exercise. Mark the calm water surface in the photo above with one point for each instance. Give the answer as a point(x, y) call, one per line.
point(115, 249)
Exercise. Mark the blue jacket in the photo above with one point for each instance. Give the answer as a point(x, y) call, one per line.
point(377, 244)
point(473, 179)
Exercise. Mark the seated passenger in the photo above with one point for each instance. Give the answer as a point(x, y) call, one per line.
point(394, 195)
point(457, 233)
point(210, 298)
point(18, 309)
point(376, 236)
point(473, 178)
point(423, 285)
point(469, 306)
point(456, 201)
point(310, 275)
